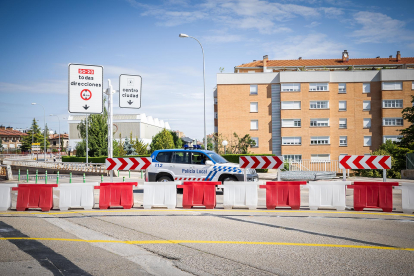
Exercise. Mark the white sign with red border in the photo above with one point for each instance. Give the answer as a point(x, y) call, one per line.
point(85, 89)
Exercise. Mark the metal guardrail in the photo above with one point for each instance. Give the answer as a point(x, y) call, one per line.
point(69, 166)
point(314, 166)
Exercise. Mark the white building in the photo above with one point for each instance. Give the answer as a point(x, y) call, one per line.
point(141, 126)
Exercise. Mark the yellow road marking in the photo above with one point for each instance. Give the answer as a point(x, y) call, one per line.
point(215, 242)
point(207, 210)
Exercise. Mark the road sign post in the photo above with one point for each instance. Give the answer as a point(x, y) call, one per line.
point(85, 89)
point(130, 87)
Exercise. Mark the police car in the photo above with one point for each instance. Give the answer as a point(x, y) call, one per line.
point(194, 164)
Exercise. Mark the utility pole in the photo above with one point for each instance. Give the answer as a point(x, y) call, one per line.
point(109, 92)
point(87, 148)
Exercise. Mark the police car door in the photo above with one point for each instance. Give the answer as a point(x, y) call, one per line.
point(197, 164)
point(181, 163)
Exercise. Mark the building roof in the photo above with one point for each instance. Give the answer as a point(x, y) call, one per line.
point(9, 132)
point(329, 62)
point(187, 139)
point(56, 136)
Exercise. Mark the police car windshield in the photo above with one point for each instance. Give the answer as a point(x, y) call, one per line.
point(217, 158)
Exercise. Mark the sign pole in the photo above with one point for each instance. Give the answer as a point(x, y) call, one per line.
point(343, 174)
point(278, 174)
point(110, 126)
point(87, 148)
point(384, 175)
point(245, 175)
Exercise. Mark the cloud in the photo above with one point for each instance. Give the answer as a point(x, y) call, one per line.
point(332, 12)
point(53, 87)
point(379, 28)
point(225, 38)
point(315, 45)
point(313, 24)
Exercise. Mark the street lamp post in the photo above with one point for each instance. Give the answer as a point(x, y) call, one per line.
point(224, 143)
point(204, 81)
point(59, 133)
point(44, 131)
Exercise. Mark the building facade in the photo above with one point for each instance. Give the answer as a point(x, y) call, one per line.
point(11, 139)
point(315, 109)
point(141, 126)
point(54, 142)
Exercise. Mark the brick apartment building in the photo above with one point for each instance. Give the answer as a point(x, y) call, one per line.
point(11, 139)
point(315, 109)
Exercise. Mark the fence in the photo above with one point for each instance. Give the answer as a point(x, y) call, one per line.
point(70, 166)
point(313, 165)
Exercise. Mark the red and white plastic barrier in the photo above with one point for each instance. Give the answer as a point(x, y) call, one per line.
point(160, 194)
point(5, 196)
point(240, 194)
point(327, 194)
point(76, 195)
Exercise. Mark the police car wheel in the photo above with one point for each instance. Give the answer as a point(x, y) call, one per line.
point(164, 179)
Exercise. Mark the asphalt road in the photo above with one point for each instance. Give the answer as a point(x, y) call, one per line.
point(208, 242)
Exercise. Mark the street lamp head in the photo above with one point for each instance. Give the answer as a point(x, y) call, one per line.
point(183, 35)
point(224, 143)
point(33, 103)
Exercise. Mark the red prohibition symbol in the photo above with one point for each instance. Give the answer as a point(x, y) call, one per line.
point(86, 94)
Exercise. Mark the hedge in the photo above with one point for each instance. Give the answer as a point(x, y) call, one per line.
point(100, 159)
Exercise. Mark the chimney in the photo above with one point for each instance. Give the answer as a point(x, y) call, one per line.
point(300, 58)
point(398, 56)
point(345, 56)
point(378, 56)
point(2, 127)
point(9, 128)
point(265, 59)
point(390, 56)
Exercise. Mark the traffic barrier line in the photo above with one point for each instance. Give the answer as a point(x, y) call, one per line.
point(216, 242)
point(205, 210)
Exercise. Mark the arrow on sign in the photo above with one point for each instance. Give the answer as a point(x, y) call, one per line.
point(130, 102)
point(86, 107)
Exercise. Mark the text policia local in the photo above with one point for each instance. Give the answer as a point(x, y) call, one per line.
point(86, 78)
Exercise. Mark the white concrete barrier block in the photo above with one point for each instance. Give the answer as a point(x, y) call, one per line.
point(407, 196)
point(76, 195)
point(240, 194)
point(160, 194)
point(5, 196)
point(327, 194)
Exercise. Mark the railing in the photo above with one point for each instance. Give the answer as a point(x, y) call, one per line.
point(314, 166)
point(70, 166)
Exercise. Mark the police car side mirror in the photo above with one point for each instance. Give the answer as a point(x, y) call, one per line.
point(209, 163)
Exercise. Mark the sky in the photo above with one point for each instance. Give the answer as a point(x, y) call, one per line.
point(40, 38)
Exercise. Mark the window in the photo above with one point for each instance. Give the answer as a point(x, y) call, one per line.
point(253, 89)
point(342, 105)
point(319, 122)
point(256, 140)
point(164, 157)
point(319, 104)
point(366, 105)
point(182, 157)
point(292, 157)
point(291, 123)
point(254, 107)
point(342, 88)
point(290, 87)
point(392, 103)
point(367, 122)
point(318, 86)
point(366, 87)
point(320, 158)
point(198, 158)
point(291, 140)
point(343, 141)
point(215, 115)
point(342, 123)
point(215, 100)
point(320, 140)
point(392, 121)
point(392, 138)
point(367, 141)
point(392, 85)
point(290, 105)
point(254, 124)
point(412, 85)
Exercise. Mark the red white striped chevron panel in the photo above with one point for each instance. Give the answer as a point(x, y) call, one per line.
point(261, 162)
point(360, 162)
point(125, 164)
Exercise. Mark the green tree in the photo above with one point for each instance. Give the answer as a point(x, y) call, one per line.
point(397, 160)
point(129, 149)
point(407, 140)
point(80, 149)
point(97, 133)
point(38, 137)
point(178, 143)
point(163, 140)
point(242, 144)
point(121, 149)
point(139, 146)
point(115, 148)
